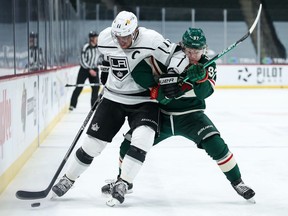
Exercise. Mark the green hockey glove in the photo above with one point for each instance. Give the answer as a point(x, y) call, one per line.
point(197, 73)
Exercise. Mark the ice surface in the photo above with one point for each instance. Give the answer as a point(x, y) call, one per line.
point(177, 179)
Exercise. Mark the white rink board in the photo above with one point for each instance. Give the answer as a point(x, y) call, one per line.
point(27, 106)
point(18, 114)
point(252, 76)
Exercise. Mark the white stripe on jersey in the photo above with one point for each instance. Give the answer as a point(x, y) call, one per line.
point(89, 56)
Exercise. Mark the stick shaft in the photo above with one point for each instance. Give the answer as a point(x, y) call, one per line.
point(82, 85)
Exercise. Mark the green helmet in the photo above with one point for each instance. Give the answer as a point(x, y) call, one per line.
point(194, 38)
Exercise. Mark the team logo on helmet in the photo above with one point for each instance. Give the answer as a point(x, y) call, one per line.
point(194, 38)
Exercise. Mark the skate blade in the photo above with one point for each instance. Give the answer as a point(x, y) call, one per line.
point(53, 196)
point(112, 202)
point(252, 200)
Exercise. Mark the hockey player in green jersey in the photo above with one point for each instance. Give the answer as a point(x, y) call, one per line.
point(182, 106)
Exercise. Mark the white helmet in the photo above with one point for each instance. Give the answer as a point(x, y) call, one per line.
point(124, 24)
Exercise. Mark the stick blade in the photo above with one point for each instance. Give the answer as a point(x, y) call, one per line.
point(256, 20)
point(31, 195)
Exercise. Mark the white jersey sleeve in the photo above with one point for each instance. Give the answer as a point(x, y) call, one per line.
point(178, 62)
point(165, 52)
point(162, 49)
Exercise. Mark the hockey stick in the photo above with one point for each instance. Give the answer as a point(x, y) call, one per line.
point(82, 85)
point(232, 46)
point(30, 195)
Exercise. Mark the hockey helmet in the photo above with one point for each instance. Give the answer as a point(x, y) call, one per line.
point(124, 24)
point(92, 34)
point(33, 35)
point(194, 38)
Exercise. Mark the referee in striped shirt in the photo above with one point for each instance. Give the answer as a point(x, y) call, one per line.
point(88, 69)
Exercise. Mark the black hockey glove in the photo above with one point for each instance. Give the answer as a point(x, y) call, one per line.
point(197, 73)
point(104, 72)
point(103, 77)
point(169, 84)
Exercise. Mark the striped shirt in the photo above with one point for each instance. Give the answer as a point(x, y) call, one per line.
point(89, 56)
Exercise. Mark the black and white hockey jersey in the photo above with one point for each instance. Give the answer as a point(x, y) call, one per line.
point(120, 86)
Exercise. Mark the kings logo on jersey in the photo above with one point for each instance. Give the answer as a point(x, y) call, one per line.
point(119, 66)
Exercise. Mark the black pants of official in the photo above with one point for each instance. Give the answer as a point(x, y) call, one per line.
point(83, 74)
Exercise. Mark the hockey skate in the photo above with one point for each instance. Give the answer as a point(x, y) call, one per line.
point(62, 186)
point(243, 190)
point(118, 192)
point(107, 189)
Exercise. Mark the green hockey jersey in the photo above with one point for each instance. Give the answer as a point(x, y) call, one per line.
point(193, 95)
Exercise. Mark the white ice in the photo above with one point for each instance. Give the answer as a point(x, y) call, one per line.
point(177, 179)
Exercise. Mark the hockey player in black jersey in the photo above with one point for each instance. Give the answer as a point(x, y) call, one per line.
point(183, 105)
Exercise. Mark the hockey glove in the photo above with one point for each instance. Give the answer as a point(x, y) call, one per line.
point(169, 85)
point(104, 72)
point(156, 93)
point(103, 77)
point(197, 73)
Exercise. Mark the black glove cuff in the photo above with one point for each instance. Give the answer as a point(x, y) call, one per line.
point(104, 77)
